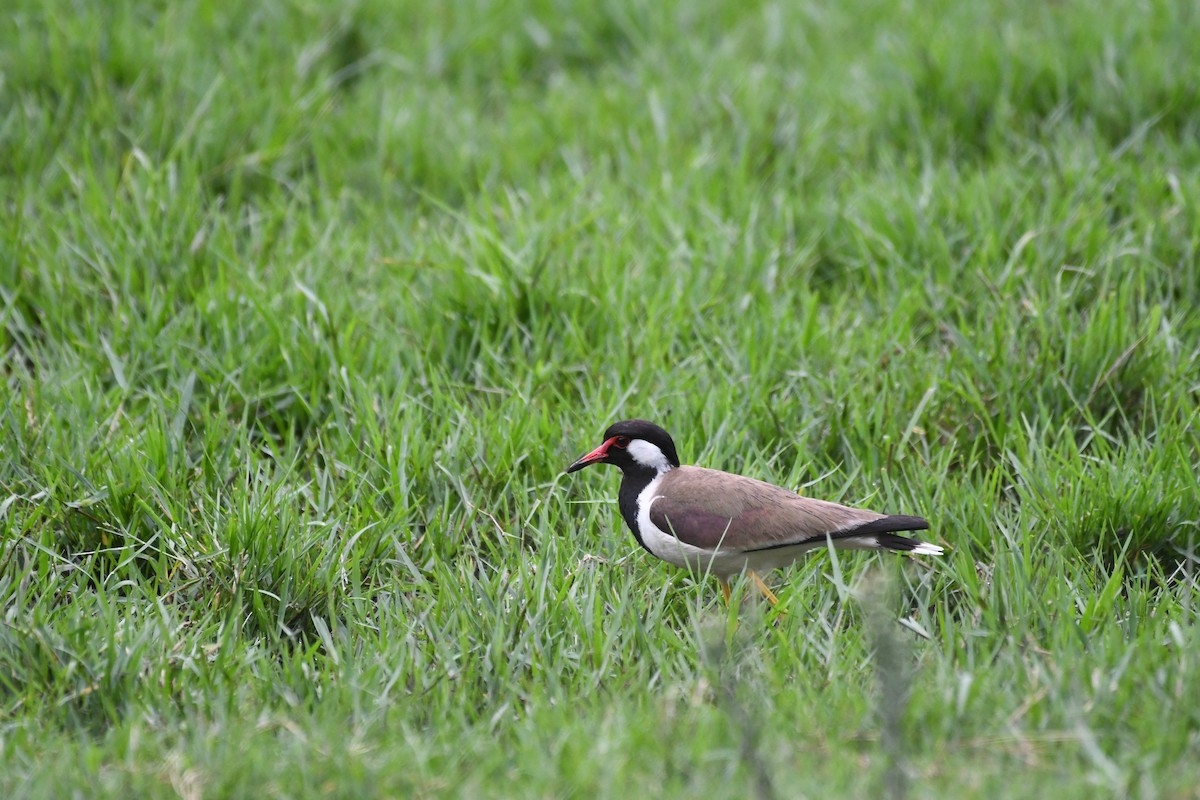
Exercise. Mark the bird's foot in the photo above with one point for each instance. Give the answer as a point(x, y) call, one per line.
point(762, 587)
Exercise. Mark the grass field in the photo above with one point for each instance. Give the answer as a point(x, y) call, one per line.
point(305, 306)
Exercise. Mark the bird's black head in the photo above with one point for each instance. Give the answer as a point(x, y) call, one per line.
point(633, 444)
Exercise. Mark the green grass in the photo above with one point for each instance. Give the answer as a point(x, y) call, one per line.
point(304, 307)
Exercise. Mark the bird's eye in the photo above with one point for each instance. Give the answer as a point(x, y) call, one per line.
point(622, 441)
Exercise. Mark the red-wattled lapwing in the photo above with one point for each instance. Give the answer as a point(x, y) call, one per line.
point(726, 524)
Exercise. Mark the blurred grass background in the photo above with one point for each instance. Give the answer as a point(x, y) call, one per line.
point(304, 307)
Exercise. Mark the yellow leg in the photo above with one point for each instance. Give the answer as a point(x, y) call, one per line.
point(762, 587)
point(724, 589)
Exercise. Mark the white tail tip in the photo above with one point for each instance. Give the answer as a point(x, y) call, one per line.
point(927, 549)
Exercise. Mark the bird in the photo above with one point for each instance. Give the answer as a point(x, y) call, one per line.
point(717, 522)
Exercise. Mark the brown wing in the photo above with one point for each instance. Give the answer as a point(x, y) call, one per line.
point(706, 508)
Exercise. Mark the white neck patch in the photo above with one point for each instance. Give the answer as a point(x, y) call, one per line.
point(648, 455)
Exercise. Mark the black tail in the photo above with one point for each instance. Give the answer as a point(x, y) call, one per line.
point(896, 522)
point(899, 544)
point(882, 531)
